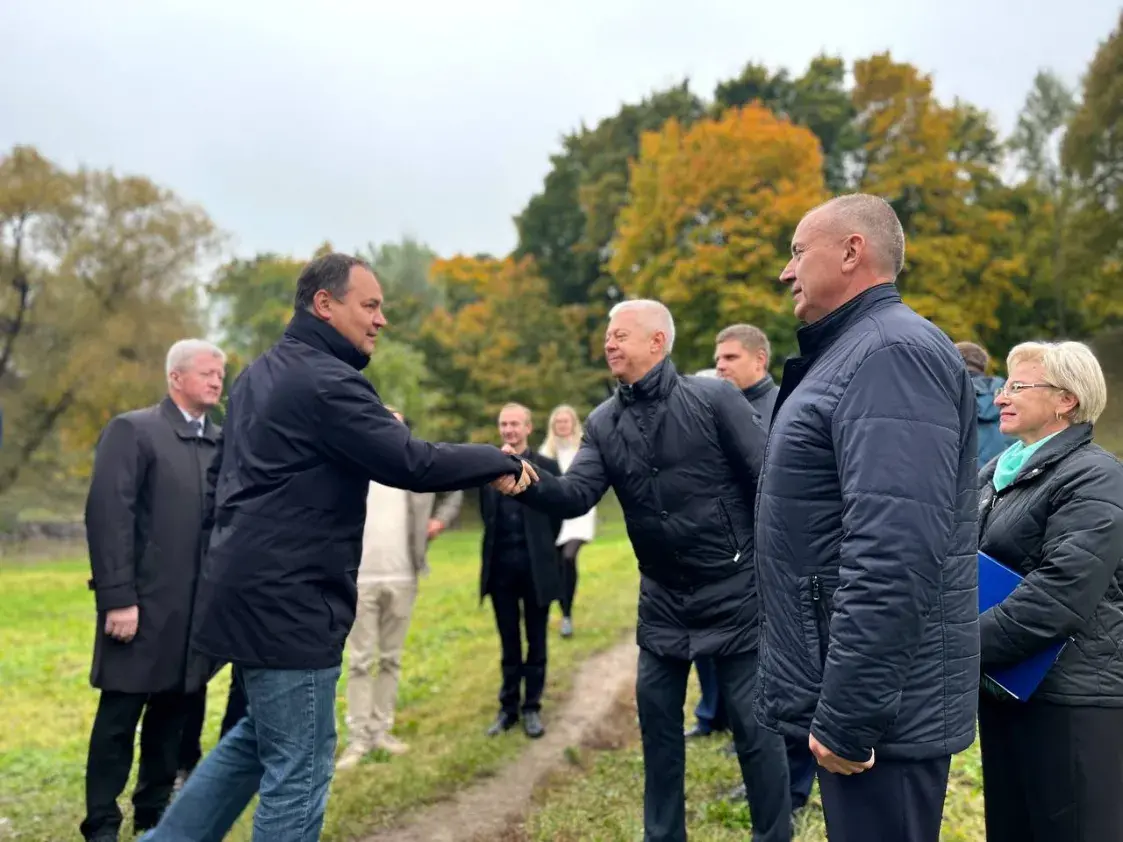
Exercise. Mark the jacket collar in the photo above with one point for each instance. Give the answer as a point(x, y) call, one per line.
point(1051, 452)
point(306, 328)
point(759, 389)
point(818, 336)
point(652, 386)
point(182, 427)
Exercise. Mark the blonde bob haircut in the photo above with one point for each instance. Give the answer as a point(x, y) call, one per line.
point(1070, 366)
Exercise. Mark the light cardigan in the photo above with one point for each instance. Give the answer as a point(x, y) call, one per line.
point(581, 528)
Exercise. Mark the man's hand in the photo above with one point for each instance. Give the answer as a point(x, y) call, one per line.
point(434, 528)
point(833, 763)
point(121, 623)
point(508, 485)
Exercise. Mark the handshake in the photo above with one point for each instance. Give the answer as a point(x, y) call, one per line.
point(510, 486)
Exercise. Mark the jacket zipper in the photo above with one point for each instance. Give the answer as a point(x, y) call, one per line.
point(730, 536)
point(822, 619)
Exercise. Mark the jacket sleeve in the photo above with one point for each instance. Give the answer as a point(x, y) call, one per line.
point(120, 467)
point(449, 507)
point(578, 490)
point(357, 430)
point(896, 434)
point(743, 436)
point(1082, 552)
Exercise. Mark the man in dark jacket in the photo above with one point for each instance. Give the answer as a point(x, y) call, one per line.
point(683, 455)
point(991, 440)
point(144, 528)
point(305, 434)
point(866, 535)
point(519, 570)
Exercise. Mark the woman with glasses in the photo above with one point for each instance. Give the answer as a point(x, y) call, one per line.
point(1050, 509)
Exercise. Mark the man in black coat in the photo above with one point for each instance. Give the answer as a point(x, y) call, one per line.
point(144, 528)
point(519, 570)
point(683, 455)
point(866, 535)
point(305, 434)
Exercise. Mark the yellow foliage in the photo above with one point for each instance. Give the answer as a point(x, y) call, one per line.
point(710, 214)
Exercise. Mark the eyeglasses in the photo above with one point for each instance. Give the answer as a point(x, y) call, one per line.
point(1017, 387)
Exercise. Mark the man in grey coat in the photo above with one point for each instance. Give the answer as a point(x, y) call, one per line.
point(144, 517)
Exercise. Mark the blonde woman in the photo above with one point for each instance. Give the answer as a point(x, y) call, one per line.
point(563, 438)
point(1051, 507)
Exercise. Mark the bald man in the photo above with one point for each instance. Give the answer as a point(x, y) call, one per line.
point(866, 535)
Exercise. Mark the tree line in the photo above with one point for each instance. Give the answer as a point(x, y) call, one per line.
point(688, 199)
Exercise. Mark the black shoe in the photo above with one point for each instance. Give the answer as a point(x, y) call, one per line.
point(502, 724)
point(105, 836)
point(697, 731)
point(532, 724)
point(143, 822)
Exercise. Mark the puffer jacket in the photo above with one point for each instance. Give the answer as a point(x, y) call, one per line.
point(1060, 524)
point(683, 455)
point(866, 535)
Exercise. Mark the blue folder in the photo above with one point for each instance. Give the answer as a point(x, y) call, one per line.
point(996, 581)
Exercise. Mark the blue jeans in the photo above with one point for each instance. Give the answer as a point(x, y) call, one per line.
point(284, 748)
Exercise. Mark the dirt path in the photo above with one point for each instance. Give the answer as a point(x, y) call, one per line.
point(487, 809)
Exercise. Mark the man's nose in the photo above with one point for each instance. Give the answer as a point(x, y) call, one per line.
point(788, 275)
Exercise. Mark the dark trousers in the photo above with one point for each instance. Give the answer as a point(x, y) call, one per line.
point(802, 767)
point(660, 695)
point(190, 744)
point(1051, 772)
point(567, 558)
point(110, 757)
point(710, 710)
point(894, 801)
point(516, 607)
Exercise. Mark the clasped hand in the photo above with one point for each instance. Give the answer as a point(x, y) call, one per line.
point(508, 484)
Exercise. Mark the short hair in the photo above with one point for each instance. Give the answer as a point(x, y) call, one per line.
point(975, 356)
point(184, 351)
point(751, 337)
point(875, 219)
point(657, 309)
point(1070, 366)
point(330, 273)
point(513, 405)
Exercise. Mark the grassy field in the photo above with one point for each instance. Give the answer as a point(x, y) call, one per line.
point(450, 678)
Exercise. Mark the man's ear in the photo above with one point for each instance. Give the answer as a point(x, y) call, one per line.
point(854, 247)
point(322, 304)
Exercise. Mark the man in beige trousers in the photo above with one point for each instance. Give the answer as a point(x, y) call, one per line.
point(399, 526)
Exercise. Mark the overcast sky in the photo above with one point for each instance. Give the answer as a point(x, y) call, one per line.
point(294, 122)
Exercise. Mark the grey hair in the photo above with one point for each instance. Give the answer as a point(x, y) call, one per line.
point(184, 351)
point(875, 219)
point(656, 308)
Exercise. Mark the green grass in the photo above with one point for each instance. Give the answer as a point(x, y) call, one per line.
point(601, 798)
point(450, 678)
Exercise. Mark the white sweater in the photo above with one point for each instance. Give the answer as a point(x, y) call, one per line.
point(581, 528)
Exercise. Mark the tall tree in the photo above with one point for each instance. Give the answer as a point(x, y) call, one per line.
point(506, 341)
point(404, 270)
point(709, 222)
point(934, 164)
point(97, 271)
point(818, 99)
point(1093, 152)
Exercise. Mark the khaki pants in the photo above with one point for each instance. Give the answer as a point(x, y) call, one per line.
point(379, 633)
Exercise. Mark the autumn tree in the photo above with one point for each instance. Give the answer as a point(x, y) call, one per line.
point(708, 226)
point(818, 99)
point(503, 341)
point(97, 278)
point(403, 268)
point(935, 165)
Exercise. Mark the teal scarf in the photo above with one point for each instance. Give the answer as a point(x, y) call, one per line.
point(1012, 460)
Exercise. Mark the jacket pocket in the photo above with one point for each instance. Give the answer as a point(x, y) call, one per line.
point(727, 529)
point(816, 623)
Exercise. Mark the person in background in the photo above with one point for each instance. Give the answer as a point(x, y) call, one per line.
point(304, 435)
point(191, 741)
point(145, 532)
point(399, 526)
point(991, 439)
point(867, 535)
point(1051, 508)
point(742, 354)
point(519, 571)
point(563, 438)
